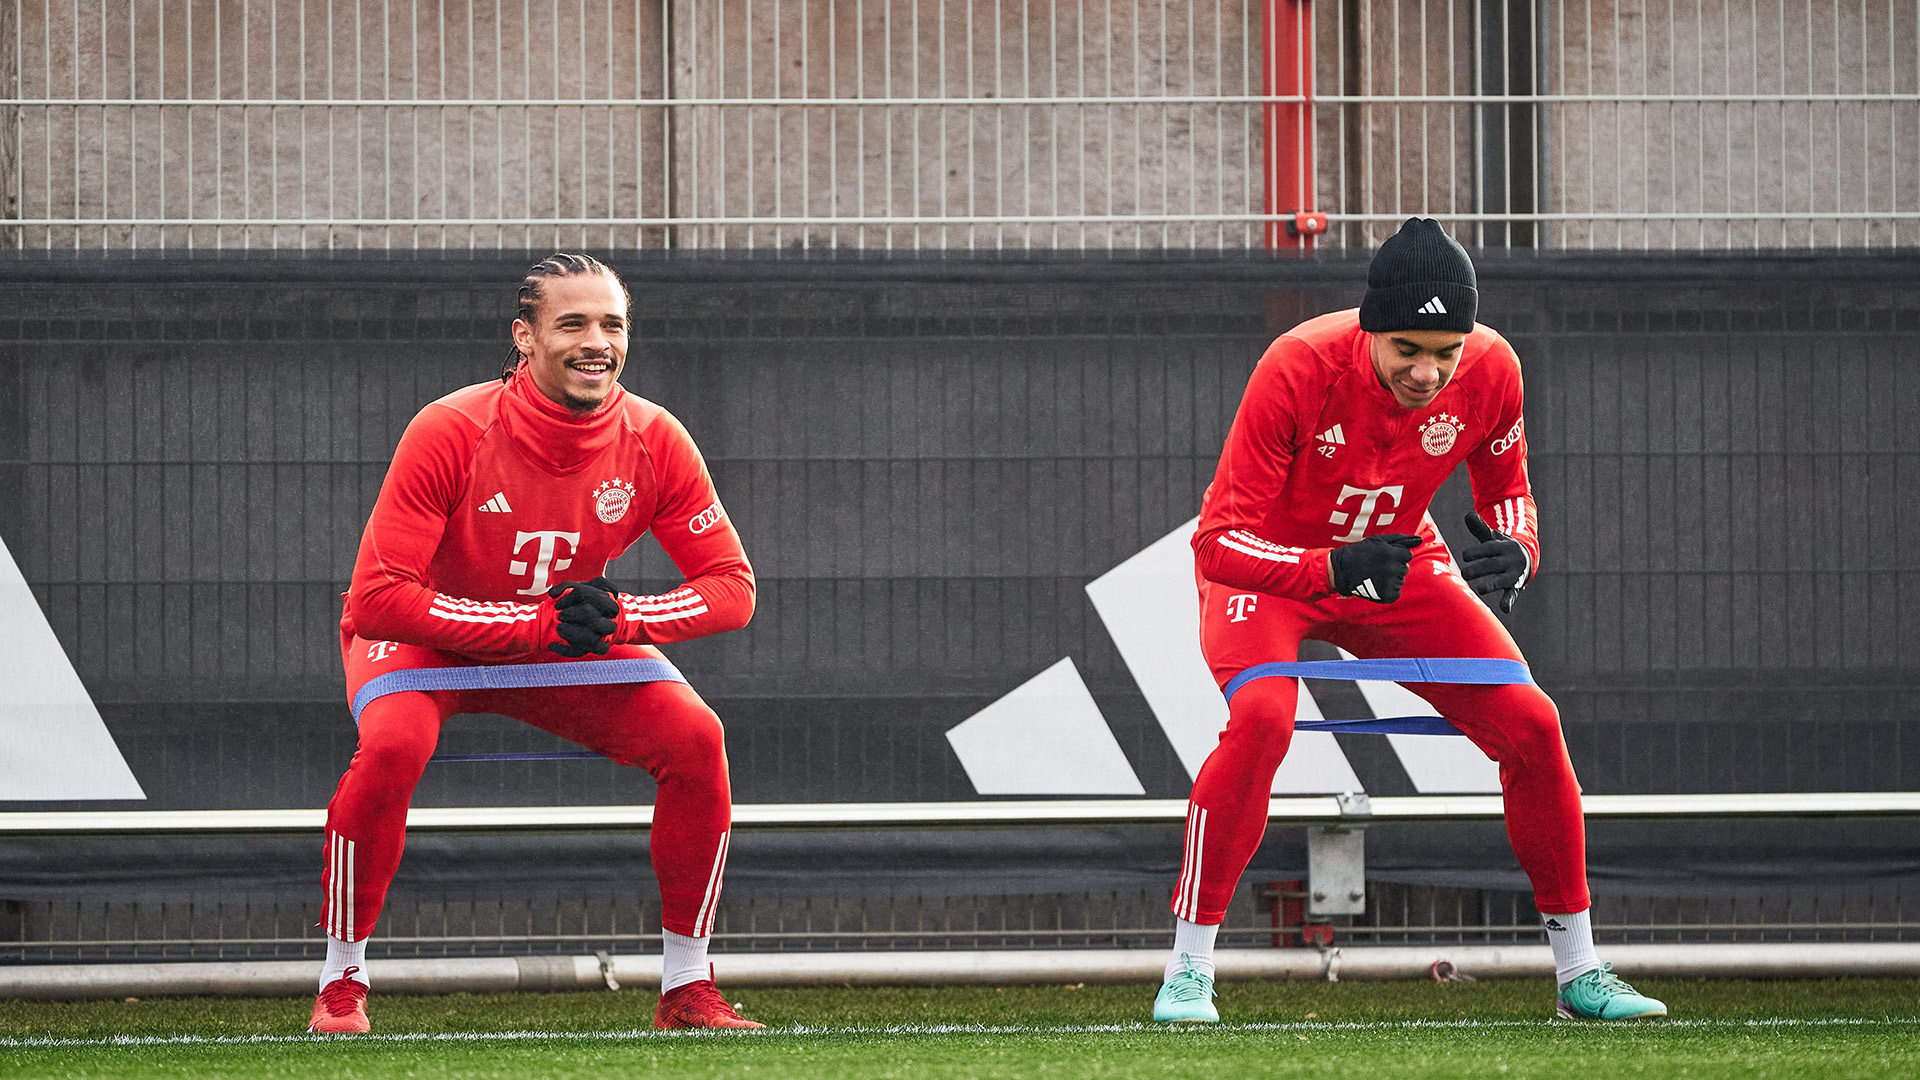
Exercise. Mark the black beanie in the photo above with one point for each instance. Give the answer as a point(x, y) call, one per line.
point(1420, 280)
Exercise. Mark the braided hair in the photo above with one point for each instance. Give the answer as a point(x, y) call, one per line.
point(558, 264)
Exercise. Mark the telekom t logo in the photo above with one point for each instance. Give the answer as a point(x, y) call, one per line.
point(544, 563)
point(1240, 605)
point(1365, 517)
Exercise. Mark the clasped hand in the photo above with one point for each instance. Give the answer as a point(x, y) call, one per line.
point(587, 610)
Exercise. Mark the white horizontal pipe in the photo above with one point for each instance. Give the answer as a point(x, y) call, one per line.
point(662, 102)
point(1306, 810)
point(986, 967)
point(928, 220)
point(947, 102)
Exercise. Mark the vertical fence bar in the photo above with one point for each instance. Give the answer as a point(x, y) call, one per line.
point(13, 172)
point(1133, 113)
point(777, 121)
point(73, 112)
point(1080, 112)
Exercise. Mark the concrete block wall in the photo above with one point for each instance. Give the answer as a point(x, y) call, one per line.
point(338, 173)
point(992, 124)
point(1798, 159)
point(976, 159)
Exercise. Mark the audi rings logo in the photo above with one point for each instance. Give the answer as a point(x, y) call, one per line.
point(706, 519)
point(1507, 442)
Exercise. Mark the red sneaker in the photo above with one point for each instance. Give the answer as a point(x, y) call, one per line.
point(341, 1007)
point(698, 1005)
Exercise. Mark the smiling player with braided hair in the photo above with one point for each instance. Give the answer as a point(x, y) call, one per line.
point(467, 598)
point(1315, 525)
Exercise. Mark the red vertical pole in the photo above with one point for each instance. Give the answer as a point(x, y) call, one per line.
point(1287, 50)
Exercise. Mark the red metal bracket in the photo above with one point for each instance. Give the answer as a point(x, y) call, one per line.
point(1320, 934)
point(1287, 904)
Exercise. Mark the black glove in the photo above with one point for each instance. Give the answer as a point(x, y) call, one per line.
point(1374, 568)
point(587, 610)
point(1497, 562)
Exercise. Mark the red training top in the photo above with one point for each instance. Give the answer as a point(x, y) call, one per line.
point(1320, 455)
point(497, 493)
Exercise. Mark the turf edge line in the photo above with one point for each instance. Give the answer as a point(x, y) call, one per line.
point(14, 1042)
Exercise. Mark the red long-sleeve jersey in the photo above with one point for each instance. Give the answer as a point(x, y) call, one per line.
point(496, 494)
point(1320, 455)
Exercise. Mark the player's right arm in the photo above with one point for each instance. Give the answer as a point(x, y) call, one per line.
point(1249, 481)
point(390, 598)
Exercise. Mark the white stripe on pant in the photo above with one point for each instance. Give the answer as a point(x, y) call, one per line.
point(1187, 899)
point(710, 903)
point(340, 893)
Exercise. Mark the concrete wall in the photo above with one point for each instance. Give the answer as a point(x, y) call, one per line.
point(980, 159)
point(611, 169)
point(350, 168)
point(340, 165)
point(1795, 159)
point(1386, 158)
point(1777, 163)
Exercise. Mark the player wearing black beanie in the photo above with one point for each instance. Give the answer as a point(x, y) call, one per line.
point(1420, 279)
point(1316, 525)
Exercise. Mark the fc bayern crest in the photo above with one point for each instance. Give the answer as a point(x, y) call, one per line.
point(1439, 433)
point(611, 499)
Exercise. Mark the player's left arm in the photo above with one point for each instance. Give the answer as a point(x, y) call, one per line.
point(693, 528)
point(1505, 523)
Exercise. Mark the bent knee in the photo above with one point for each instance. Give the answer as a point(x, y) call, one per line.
point(693, 744)
point(702, 736)
point(394, 753)
point(1260, 717)
point(1532, 725)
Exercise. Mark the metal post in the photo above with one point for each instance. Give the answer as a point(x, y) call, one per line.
point(1337, 862)
point(10, 176)
point(1286, 38)
point(1509, 155)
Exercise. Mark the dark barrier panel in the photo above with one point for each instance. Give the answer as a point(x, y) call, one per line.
point(929, 459)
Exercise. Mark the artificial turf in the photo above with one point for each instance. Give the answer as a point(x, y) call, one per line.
point(1827, 1029)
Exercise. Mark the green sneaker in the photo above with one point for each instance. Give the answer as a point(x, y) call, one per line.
point(1602, 995)
point(1186, 998)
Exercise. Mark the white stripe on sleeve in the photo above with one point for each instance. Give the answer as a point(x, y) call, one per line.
point(1247, 543)
point(459, 609)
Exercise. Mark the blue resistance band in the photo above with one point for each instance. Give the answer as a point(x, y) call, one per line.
point(639, 669)
point(1478, 671)
point(532, 755)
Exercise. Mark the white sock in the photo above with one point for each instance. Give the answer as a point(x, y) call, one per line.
point(1191, 942)
point(342, 955)
point(683, 960)
point(1572, 939)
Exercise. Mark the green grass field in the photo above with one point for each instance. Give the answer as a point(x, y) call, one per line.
point(1367, 1031)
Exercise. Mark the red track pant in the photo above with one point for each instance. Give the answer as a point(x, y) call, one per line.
point(1437, 615)
point(662, 727)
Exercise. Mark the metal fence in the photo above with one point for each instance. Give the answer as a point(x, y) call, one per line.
point(941, 124)
point(195, 470)
point(929, 460)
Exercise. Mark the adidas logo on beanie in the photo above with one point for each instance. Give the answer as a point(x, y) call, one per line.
point(1420, 279)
